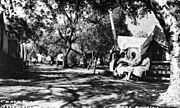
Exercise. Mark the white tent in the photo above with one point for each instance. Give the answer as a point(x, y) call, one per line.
point(133, 44)
point(125, 42)
point(156, 44)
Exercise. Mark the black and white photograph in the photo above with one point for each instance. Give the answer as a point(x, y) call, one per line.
point(89, 53)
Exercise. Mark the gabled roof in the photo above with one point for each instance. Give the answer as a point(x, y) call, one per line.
point(160, 37)
point(156, 35)
point(143, 43)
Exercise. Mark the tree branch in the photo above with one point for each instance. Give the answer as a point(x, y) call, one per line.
point(71, 35)
point(65, 13)
point(91, 21)
point(60, 34)
point(76, 51)
point(76, 17)
point(73, 40)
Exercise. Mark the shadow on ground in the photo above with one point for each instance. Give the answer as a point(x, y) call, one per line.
point(77, 89)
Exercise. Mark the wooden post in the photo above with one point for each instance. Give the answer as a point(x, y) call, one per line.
point(113, 27)
point(115, 47)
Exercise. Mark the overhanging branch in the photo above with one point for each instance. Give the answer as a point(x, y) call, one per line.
point(76, 51)
point(73, 40)
point(60, 34)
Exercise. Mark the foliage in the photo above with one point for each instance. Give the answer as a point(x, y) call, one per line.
point(119, 22)
point(102, 6)
point(44, 19)
point(97, 33)
point(16, 27)
point(142, 34)
point(95, 38)
point(68, 14)
point(131, 8)
point(23, 20)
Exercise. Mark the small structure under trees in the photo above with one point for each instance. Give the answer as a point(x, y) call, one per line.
point(156, 46)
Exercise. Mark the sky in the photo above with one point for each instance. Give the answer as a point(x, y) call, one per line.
point(146, 24)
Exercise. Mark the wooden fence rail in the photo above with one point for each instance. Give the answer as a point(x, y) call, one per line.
point(159, 70)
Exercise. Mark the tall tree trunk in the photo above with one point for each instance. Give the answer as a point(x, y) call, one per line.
point(168, 23)
point(5, 43)
point(1, 35)
point(95, 64)
point(1, 27)
point(66, 65)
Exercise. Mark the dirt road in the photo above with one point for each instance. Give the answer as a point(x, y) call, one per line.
point(51, 87)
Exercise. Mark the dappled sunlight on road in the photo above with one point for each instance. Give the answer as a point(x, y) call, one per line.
point(56, 88)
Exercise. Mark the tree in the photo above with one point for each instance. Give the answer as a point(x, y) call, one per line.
point(2, 26)
point(5, 11)
point(97, 34)
point(71, 13)
point(96, 38)
point(119, 22)
point(14, 25)
point(166, 12)
point(98, 27)
point(1, 33)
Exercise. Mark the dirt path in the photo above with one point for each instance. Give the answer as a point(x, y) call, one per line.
point(52, 87)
